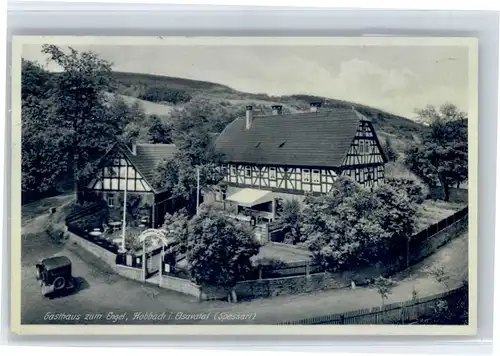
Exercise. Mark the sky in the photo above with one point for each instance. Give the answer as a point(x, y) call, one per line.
point(398, 79)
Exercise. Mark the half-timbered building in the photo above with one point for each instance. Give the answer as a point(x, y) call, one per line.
point(132, 170)
point(287, 155)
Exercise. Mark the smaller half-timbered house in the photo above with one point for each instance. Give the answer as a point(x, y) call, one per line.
point(287, 155)
point(133, 169)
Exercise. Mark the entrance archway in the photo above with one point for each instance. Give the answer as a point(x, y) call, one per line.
point(152, 262)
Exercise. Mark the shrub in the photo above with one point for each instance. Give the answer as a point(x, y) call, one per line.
point(290, 220)
point(56, 233)
point(177, 226)
point(416, 190)
point(389, 150)
point(352, 227)
point(219, 250)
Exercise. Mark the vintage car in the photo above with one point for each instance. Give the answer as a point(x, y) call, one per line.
point(54, 274)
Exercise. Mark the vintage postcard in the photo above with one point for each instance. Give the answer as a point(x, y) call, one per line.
point(225, 185)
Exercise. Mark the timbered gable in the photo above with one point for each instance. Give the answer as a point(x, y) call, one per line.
point(365, 159)
point(365, 148)
point(134, 169)
point(116, 173)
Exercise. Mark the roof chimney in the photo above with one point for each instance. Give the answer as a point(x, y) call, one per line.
point(249, 117)
point(134, 149)
point(277, 109)
point(315, 106)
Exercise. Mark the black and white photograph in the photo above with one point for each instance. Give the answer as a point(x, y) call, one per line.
point(244, 183)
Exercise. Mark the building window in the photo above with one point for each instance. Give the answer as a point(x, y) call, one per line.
point(364, 147)
point(272, 173)
point(306, 176)
point(315, 176)
point(224, 169)
point(248, 172)
point(361, 144)
point(111, 200)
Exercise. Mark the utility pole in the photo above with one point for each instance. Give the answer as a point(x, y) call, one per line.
point(197, 190)
point(124, 222)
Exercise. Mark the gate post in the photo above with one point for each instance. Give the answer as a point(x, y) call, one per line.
point(144, 261)
point(161, 263)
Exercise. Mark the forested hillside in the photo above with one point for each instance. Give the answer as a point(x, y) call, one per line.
point(71, 118)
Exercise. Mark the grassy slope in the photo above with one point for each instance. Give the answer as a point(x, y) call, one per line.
point(432, 211)
point(149, 107)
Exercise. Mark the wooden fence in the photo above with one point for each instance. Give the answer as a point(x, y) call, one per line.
point(395, 313)
point(88, 210)
point(436, 228)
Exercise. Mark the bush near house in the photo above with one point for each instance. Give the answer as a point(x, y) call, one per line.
point(413, 187)
point(219, 250)
point(353, 227)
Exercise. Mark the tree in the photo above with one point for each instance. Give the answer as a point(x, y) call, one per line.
point(43, 160)
point(441, 157)
point(36, 82)
point(415, 190)
point(43, 144)
point(438, 273)
point(177, 226)
point(289, 217)
point(219, 250)
point(383, 287)
point(215, 115)
point(195, 153)
point(158, 130)
point(162, 93)
point(352, 227)
point(389, 150)
point(81, 109)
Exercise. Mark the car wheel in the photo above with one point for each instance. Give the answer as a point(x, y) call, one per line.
point(59, 283)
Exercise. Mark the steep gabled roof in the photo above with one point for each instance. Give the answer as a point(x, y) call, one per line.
point(319, 139)
point(147, 156)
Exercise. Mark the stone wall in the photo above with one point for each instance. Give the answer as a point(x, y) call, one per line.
point(180, 285)
point(101, 253)
point(129, 272)
point(290, 285)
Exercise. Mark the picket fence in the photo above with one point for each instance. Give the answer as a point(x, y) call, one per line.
point(395, 313)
